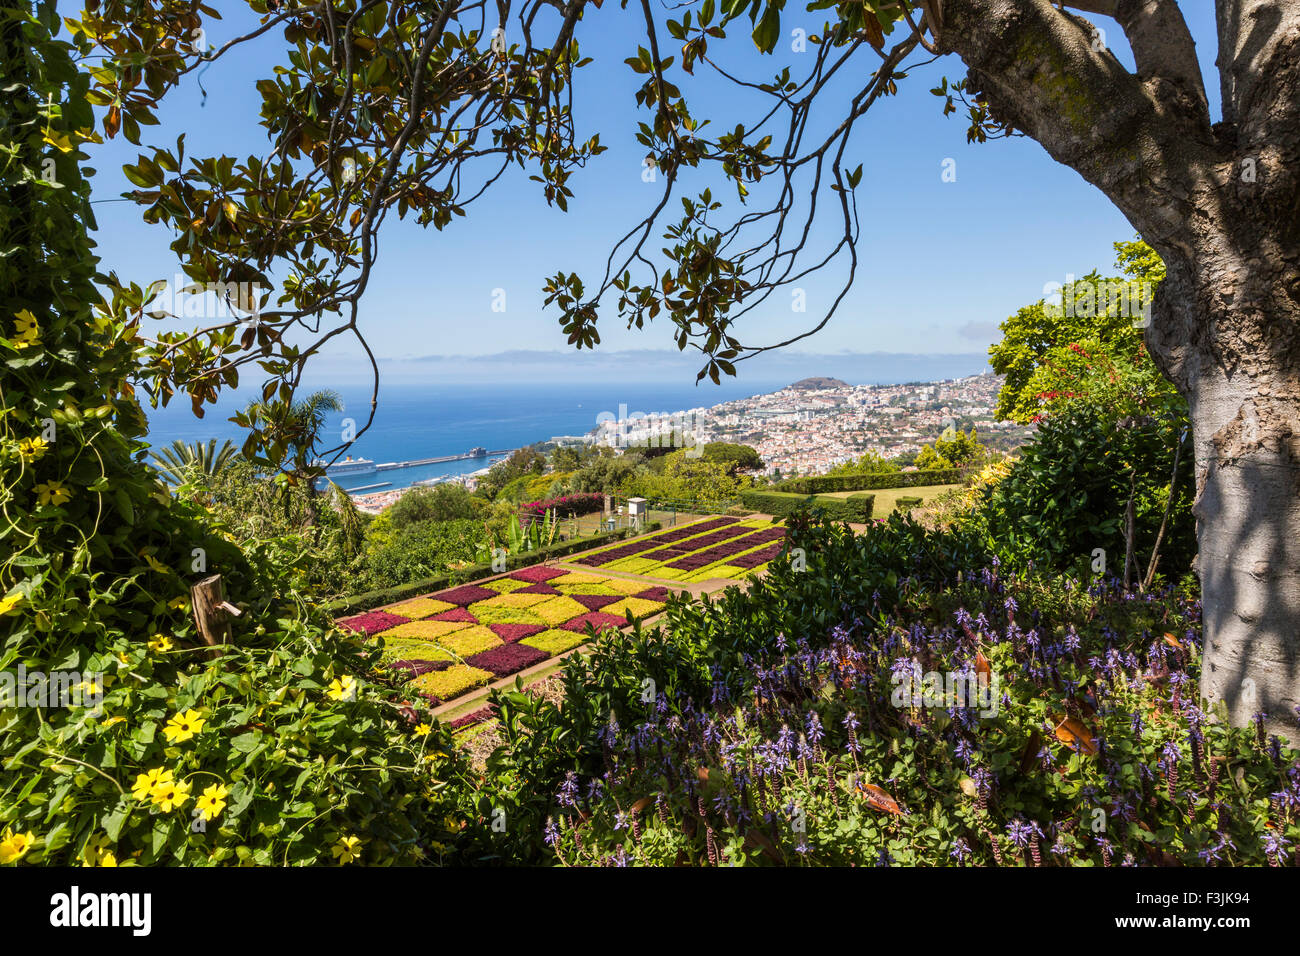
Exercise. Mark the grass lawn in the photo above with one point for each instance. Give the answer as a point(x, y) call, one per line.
point(887, 498)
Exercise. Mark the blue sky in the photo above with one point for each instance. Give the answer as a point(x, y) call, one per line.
point(941, 262)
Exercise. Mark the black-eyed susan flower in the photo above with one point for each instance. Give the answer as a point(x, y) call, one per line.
point(52, 493)
point(97, 853)
point(33, 449)
point(144, 784)
point(184, 726)
point(26, 329)
point(347, 849)
point(160, 643)
point(171, 795)
point(14, 846)
point(212, 801)
point(343, 688)
point(422, 730)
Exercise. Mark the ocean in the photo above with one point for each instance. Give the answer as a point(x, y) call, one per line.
point(414, 421)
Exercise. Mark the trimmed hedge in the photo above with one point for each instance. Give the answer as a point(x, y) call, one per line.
point(871, 481)
point(781, 504)
point(906, 502)
point(356, 603)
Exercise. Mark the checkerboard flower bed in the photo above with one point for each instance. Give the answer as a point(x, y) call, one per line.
point(728, 553)
point(455, 641)
point(508, 659)
point(607, 556)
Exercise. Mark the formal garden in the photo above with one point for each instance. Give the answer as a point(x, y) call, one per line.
point(1069, 656)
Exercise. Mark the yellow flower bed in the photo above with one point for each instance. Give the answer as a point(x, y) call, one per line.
point(576, 577)
point(503, 585)
point(472, 640)
point(413, 650)
point(554, 641)
point(513, 600)
point(428, 630)
point(452, 682)
point(626, 587)
point(558, 610)
point(639, 607)
point(419, 607)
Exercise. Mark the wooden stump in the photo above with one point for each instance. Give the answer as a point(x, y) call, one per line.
point(212, 612)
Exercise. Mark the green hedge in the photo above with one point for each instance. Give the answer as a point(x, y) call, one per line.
point(356, 603)
point(781, 504)
point(871, 481)
point(906, 502)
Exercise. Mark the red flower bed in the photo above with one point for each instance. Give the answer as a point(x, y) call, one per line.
point(654, 594)
point(372, 622)
point(537, 574)
point(456, 614)
point(720, 552)
point(594, 602)
point(416, 668)
point(537, 589)
point(645, 544)
point(755, 558)
point(507, 659)
point(515, 632)
point(597, 619)
point(695, 544)
point(466, 594)
point(474, 717)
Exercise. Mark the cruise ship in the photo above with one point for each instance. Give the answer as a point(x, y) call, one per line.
point(351, 466)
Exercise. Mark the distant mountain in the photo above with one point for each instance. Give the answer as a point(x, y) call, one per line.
point(819, 381)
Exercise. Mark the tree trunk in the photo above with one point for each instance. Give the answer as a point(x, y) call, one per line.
point(1221, 205)
point(1242, 379)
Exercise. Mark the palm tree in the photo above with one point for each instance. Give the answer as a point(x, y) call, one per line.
point(296, 430)
point(179, 461)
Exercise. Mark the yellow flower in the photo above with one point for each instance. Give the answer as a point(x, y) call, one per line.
point(160, 642)
point(97, 853)
point(343, 688)
point(179, 604)
point(171, 796)
point(347, 849)
point(114, 720)
point(212, 801)
point(422, 730)
point(52, 493)
point(33, 449)
point(14, 846)
point(26, 327)
point(184, 726)
point(145, 783)
point(9, 602)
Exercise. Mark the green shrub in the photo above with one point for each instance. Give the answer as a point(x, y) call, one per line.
point(1066, 495)
point(871, 481)
point(907, 502)
point(853, 508)
point(448, 501)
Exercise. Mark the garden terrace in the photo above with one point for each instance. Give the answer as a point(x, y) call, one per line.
point(452, 642)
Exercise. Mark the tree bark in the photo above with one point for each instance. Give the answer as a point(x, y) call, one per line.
point(1221, 205)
